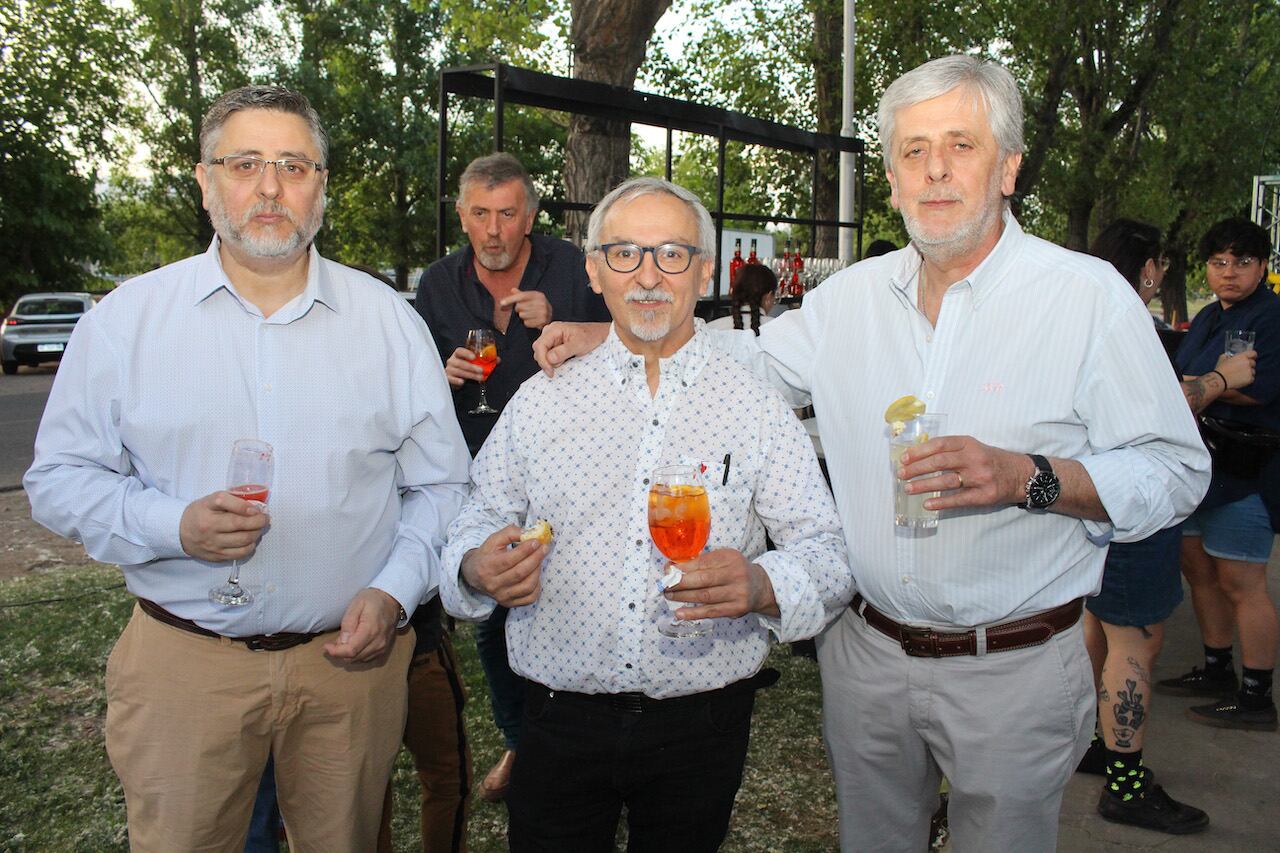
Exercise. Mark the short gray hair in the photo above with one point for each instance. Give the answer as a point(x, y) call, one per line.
point(636, 187)
point(260, 98)
point(493, 170)
point(991, 81)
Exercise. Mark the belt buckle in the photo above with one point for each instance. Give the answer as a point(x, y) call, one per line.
point(254, 644)
point(919, 642)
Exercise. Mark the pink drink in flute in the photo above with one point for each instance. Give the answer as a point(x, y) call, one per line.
point(248, 478)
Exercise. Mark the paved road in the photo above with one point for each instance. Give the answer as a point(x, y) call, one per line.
point(22, 398)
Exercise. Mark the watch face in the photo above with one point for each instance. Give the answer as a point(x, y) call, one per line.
point(1043, 490)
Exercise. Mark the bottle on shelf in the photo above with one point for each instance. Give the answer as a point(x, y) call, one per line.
point(751, 257)
point(784, 270)
point(797, 273)
point(736, 263)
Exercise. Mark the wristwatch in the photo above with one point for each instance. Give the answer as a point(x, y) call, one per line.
point(1043, 487)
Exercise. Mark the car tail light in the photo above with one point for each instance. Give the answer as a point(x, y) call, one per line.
point(13, 321)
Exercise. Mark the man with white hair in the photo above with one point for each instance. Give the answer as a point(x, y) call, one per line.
point(618, 714)
point(260, 337)
point(963, 652)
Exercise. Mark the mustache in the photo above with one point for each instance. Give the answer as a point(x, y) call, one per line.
point(938, 195)
point(273, 208)
point(639, 294)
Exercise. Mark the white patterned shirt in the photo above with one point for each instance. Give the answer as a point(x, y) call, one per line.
point(578, 451)
point(344, 383)
point(1039, 350)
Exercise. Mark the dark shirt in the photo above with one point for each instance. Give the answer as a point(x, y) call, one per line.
point(1206, 340)
point(453, 301)
point(1199, 352)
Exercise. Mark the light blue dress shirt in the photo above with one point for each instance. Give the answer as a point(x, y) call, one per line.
point(1038, 350)
point(579, 450)
point(343, 381)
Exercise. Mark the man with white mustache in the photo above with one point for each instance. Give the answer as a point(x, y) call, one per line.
point(617, 714)
point(963, 653)
point(260, 338)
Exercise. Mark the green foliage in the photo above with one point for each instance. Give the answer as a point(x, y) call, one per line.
point(62, 72)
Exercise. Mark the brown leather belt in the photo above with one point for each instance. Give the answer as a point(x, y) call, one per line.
point(1022, 633)
point(259, 643)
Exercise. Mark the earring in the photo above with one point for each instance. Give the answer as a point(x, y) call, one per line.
point(1148, 283)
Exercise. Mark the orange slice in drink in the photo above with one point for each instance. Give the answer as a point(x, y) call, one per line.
point(490, 351)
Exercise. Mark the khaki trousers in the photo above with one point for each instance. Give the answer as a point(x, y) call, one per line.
point(191, 719)
point(1006, 728)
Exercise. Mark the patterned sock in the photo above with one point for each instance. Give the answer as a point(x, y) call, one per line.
point(1255, 688)
point(1216, 660)
point(1126, 777)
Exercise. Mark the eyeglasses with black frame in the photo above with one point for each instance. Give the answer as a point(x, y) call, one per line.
point(290, 170)
point(1244, 262)
point(671, 258)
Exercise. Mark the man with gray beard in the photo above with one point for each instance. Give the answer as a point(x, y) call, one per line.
point(963, 651)
point(624, 709)
point(258, 338)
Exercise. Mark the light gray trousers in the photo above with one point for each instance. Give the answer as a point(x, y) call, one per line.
point(1007, 729)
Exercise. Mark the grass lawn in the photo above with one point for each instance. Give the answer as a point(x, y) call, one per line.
point(58, 793)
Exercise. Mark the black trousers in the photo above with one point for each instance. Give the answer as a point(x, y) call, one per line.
point(676, 766)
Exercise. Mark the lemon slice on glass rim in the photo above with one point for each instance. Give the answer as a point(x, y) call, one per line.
point(901, 410)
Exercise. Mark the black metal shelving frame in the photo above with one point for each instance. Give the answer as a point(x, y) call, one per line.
point(504, 84)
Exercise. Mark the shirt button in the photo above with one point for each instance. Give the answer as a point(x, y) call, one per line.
point(639, 543)
point(628, 666)
point(631, 606)
point(266, 387)
point(655, 421)
point(271, 587)
point(906, 579)
point(646, 481)
point(928, 339)
point(929, 395)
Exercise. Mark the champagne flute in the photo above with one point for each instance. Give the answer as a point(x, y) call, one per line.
point(248, 478)
point(482, 343)
point(679, 522)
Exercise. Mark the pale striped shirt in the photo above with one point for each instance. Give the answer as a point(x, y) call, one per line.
point(1038, 350)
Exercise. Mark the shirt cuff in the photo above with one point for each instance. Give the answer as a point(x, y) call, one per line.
point(795, 599)
point(162, 524)
point(406, 588)
point(460, 599)
point(1117, 482)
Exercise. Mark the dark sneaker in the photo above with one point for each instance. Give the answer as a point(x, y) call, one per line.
point(1228, 714)
point(1199, 682)
point(1153, 810)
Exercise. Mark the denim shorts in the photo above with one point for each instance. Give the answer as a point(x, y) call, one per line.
point(1235, 531)
point(1142, 581)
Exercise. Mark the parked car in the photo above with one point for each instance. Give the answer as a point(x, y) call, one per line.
point(38, 327)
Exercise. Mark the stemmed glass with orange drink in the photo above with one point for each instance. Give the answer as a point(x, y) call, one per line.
point(679, 522)
point(482, 343)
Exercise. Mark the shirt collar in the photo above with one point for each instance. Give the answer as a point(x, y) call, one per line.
point(984, 278)
point(319, 288)
point(683, 365)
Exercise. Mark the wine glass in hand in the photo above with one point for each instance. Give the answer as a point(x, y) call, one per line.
point(679, 522)
point(248, 478)
point(481, 342)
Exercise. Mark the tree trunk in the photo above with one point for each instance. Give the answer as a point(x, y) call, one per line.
point(828, 47)
point(609, 39)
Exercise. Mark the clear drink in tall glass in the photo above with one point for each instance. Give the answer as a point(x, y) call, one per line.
point(1239, 340)
point(908, 510)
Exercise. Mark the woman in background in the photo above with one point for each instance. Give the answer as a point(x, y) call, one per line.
point(753, 296)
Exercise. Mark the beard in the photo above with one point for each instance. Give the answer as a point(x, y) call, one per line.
point(299, 235)
point(647, 324)
point(941, 246)
point(499, 262)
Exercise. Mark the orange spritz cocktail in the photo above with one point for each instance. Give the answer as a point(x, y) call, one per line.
point(679, 520)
